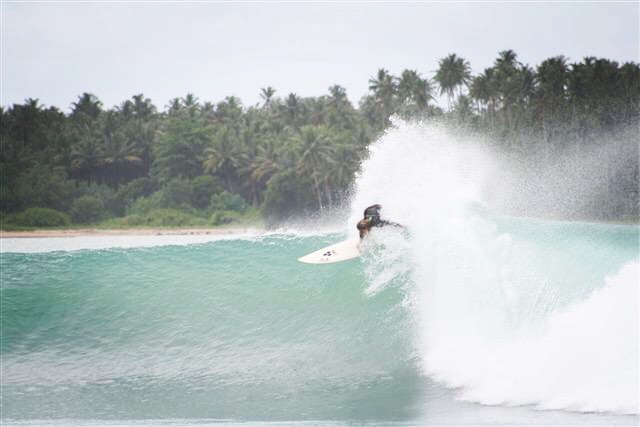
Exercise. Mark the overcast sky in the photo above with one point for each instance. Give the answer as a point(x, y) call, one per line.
point(54, 51)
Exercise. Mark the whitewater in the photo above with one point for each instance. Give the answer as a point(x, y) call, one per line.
point(510, 311)
point(466, 315)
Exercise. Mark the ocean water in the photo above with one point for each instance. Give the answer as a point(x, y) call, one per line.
point(465, 316)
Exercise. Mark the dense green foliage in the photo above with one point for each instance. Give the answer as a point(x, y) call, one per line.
point(39, 217)
point(197, 162)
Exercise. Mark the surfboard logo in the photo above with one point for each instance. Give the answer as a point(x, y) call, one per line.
point(327, 255)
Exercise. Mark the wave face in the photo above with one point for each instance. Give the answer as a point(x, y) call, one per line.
point(461, 317)
point(232, 329)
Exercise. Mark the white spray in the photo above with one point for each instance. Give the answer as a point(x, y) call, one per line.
point(481, 327)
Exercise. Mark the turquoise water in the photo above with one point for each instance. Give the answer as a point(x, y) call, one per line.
point(238, 330)
point(228, 329)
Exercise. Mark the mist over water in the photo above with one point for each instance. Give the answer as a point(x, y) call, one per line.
point(594, 178)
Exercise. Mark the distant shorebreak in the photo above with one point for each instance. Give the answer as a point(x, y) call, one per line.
point(83, 232)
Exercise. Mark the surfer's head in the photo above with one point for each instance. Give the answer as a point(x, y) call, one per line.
point(373, 210)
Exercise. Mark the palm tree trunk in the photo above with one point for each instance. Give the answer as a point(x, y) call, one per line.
point(228, 181)
point(318, 191)
point(327, 191)
point(254, 191)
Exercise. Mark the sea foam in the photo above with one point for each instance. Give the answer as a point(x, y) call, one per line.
point(526, 313)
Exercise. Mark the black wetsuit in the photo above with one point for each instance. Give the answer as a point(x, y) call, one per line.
point(372, 219)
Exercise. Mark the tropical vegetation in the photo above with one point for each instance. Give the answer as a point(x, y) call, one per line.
point(203, 163)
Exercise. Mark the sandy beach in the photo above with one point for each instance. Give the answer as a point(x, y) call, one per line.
point(85, 232)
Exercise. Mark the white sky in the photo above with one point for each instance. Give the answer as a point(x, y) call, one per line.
point(54, 51)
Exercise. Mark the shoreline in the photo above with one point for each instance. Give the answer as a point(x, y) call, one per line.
point(97, 232)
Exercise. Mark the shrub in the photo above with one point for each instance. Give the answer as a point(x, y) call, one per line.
point(162, 218)
point(202, 188)
point(39, 217)
point(176, 194)
point(183, 194)
point(134, 220)
point(130, 192)
point(226, 201)
point(112, 206)
point(146, 204)
point(122, 222)
point(87, 209)
point(39, 186)
point(171, 218)
point(223, 217)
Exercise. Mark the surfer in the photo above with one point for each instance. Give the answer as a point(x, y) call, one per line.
point(372, 219)
point(350, 248)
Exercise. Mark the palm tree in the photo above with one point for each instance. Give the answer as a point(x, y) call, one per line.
point(413, 88)
point(551, 93)
point(142, 107)
point(142, 134)
point(190, 105)
point(209, 111)
point(340, 113)
point(266, 93)
point(267, 162)
point(551, 77)
point(87, 104)
point(85, 153)
point(343, 171)
point(383, 85)
point(293, 109)
point(229, 111)
point(120, 159)
point(629, 91)
point(337, 94)
point(316, 110)
point(484, 90)
point(464, 109)
point(506, 72)
point(384, 90)
point(138, 122)
point(316, 155)
point(174, 106)
point(259, 161)
point(406, 85)
point(507, 60)
point(126, 109)
point(223, 157)
point(453, 73)
point(513, 83)
point(25, 121)
point(480, 88)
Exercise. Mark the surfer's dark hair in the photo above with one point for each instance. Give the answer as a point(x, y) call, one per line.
point(373, 210)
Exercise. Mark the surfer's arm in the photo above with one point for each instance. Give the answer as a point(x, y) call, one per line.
point(393, 224)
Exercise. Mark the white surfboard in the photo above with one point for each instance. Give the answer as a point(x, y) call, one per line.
point(347, 249)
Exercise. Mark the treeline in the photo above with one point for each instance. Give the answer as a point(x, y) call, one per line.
point(200, 163)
